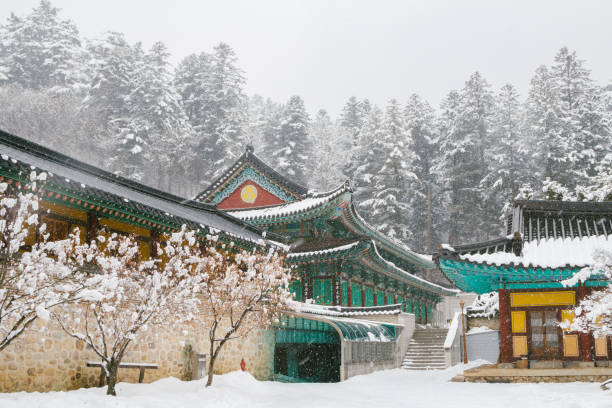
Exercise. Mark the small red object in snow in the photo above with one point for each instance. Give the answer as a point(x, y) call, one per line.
point(242, 365)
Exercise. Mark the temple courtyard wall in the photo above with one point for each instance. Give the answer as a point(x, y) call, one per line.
point(45, 358)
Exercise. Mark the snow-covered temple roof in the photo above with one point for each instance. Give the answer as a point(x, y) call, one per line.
point(548, 242)
point(72, 181)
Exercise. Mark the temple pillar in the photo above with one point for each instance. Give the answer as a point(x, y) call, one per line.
point(92, 226)
point(585, 339)
point(505, 332)
point(349, 294)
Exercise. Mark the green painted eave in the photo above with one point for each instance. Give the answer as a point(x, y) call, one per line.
point(483, 278)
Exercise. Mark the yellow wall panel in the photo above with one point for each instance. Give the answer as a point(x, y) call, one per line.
point(125, 227)
point(519, 346)
point(519, 323)
point(567, 316)
point(601, 346)
point(559, 298)
point(145, 250)
point(570, 345)
point(64, 210)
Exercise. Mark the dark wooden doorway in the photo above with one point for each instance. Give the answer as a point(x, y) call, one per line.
point(544, 334)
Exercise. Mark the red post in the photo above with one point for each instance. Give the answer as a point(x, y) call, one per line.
point(586, 343)
point(242, 365)
point(465, 359)
point(505, 333)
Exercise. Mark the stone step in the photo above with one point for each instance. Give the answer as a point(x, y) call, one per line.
point(422, 368)
point(424, 360)
point(431, 354)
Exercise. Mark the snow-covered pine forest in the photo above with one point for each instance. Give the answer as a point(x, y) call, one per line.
point(117, 105)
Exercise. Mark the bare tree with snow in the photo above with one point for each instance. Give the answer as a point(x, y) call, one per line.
point(123, 293)
point(241, 293)
point(594, 313)
point(30, 279)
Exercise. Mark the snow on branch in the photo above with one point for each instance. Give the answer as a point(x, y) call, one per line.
point(31, 280)
point(593, 313)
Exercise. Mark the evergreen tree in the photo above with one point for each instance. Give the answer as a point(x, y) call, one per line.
point(116, 77)
point(461, 165)
point(292, 147)
point(421, 132)
point(390, 205)
point(330, 145)
point(509, 169)
point(41, 51)
point(263, 125)
point(157, 118)
point(211, 87)
point(542, 128)
point(369, 159)
point(352, 120)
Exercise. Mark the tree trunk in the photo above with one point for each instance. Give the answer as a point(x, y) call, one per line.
point(211, 366)
point(111, 377)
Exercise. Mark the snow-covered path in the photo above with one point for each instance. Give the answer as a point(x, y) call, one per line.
point(394, 388)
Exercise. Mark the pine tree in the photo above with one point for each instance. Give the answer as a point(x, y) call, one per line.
point(506, 156)
point(421, 132)
point(461, 165)
point(369, 159)
point(42, 51)
point(211, 87)
point(263, 125)
point(116, 77)
point(572, 85)
point(157, 118)
point(330, 145)
point(543, 128)
point(352, 120)
point(292, 147)
point(390, 205)
point(226, 109)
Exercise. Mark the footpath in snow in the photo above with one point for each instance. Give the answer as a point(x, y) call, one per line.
point(392, 388)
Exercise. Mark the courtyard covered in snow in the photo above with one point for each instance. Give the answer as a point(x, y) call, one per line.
point(391, 388)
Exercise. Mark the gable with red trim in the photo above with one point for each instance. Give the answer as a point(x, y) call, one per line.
point(249, 195)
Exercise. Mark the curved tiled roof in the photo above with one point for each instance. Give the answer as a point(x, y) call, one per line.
point(134, 200)
point(308, 203)
point(550, 240)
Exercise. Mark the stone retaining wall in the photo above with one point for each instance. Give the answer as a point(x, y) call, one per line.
point(47, 359)
point(537, 379)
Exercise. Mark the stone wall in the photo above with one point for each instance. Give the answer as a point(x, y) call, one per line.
point(47, 359)
point(492, 323)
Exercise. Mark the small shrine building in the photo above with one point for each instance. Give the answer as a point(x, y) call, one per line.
point(547, 242)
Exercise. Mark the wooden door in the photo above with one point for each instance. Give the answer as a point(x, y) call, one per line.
point(544, 334)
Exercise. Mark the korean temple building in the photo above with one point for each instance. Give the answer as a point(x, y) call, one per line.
point(341, 259)
point(349, 269)
point(547, 242)
point(367, 286)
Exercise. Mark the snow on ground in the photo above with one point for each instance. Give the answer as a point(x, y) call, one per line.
point(392, 388)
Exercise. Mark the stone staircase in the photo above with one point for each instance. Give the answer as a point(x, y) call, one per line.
point(426, 350)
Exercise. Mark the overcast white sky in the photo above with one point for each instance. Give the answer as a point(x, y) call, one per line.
point(327, 50)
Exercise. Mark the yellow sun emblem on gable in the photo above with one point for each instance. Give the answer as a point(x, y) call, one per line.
point(249, 194)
